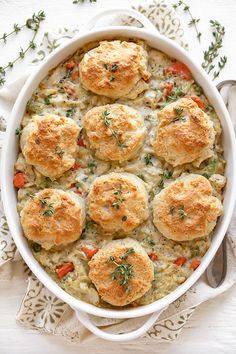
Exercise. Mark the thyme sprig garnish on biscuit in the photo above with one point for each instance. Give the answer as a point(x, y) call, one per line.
point(107, 121)
point(123, 271)
point(178, 114)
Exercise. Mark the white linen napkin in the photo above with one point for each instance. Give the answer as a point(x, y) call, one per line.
point(43, 311)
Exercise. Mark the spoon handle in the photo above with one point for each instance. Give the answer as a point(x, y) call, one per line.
point(217, 269)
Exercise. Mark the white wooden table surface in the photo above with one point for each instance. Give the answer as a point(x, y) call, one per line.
point(212, 328)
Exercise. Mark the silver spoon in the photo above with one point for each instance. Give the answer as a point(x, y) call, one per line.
point(217, 269)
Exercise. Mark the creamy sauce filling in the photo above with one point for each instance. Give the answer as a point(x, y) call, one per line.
point(59, 94)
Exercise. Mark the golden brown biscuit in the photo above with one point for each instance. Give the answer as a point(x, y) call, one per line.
point(186, 209)
point(104, 273)
point(118, 201)
point(184, 133)
point(49, 144)
point(53, 218)
point(116, 132)
point(115, 69)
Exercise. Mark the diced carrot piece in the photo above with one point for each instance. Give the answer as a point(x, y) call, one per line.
point(199, 102)
point(64, 269)
point(70, 65)
point(180, 261)
point(80, 142)
point(168, 88)
point(89, 252)
point(75, 75)
point(76, 167)
point(153, 256)
point(178, 68)
point(78, 191)
point(19, 180)
point(195, 263)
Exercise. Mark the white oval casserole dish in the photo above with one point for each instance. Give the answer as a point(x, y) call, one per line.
point(10, 152)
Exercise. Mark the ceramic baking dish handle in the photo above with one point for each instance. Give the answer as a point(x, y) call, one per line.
point(86, 321)
point(127, 12)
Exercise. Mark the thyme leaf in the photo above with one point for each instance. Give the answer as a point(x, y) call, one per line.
point(115, 205)
point(70, 112)
point(36, 247)
point(92, 165)
point(59, 151)
point(114, 67)
point(175, 94)
point(48, 208)
point(125, 255)
point(148, 159)
point(18, 131)
point(118, 191)
point(167, 174)
point(47, 100)
point(181, 212)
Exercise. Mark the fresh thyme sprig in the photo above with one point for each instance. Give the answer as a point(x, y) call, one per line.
point(123, 271)
point(16, 29)
point(218, 32)
point(32, 23)
point(178, 114)
point(193, 21)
